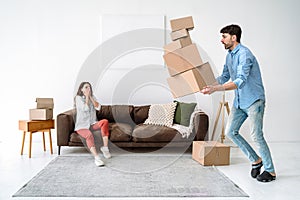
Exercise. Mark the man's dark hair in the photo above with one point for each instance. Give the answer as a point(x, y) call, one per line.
point(233, 29)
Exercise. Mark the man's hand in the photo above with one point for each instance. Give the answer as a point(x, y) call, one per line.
point(207, 90)
point(212, 88)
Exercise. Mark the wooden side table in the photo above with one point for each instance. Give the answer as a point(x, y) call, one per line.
point(33, 126)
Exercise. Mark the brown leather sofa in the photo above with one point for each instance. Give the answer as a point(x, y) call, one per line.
point(127, 128)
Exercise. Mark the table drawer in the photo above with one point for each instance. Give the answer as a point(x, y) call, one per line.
point(31, 126)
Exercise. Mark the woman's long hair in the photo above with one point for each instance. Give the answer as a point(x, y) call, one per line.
point(80, 93)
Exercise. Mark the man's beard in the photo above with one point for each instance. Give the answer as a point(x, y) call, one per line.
point(228, 46)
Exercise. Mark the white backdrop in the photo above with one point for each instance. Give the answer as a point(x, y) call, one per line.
point(43, 45)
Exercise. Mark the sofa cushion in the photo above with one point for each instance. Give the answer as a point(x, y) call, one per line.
point(120, 132)
point(155, 133)
point(140, 113)
point(105, 113)
point(116, 113)
point(122, 113)
point(161, 114)
point(183, 113)
point(75, 138)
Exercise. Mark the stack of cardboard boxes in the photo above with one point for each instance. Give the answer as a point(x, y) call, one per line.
point(43, 110)
point(188, 72)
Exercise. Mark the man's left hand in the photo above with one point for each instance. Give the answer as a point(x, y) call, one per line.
point(212, 88)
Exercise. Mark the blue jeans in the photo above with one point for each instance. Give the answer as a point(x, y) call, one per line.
point(255, 113)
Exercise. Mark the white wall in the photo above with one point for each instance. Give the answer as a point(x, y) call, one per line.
point(43, 45)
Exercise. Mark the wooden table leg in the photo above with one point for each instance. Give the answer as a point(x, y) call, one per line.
point(23, 140)
point(30, 143)
point(50, 139)
point(44, 141)
point(216, 120)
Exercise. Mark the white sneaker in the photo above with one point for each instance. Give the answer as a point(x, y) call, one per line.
point(99, 162)
point(105, 152)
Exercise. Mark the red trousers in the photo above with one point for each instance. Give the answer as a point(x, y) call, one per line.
point(88, 135)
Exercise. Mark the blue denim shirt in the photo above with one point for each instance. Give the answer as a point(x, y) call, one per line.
point(243, 69)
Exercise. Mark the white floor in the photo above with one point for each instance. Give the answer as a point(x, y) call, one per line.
point(17, 170)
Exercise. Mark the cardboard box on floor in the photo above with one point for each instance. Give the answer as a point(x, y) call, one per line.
point(191, 81)
point(209, 153)
point(182, 23)
point(43, 110)
point(177, 44)
point(183, 59)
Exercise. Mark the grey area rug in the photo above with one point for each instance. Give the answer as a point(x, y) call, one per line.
point(129, 176)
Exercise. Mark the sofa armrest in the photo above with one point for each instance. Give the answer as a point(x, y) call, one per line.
point(200, 127)
point(64, 127)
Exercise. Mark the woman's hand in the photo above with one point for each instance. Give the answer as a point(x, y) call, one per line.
point(96, 104)
point(87, 94)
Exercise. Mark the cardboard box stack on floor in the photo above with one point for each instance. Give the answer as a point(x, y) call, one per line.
point(188, 72)
point(43, 110)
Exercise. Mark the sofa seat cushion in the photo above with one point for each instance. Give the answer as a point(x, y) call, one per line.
point(75, 138)
point(120, 132)
point(155, 133)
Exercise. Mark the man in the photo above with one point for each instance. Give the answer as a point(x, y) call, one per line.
point(243, 69)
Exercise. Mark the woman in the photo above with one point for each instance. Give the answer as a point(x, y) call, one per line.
point(86, 121)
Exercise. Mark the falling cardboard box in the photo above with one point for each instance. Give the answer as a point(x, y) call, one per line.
point(182, 23)
point(183, 59)
point(191, 81)
point(182, 33)
point(178, 44)
point(210, 153)
point(43, 110)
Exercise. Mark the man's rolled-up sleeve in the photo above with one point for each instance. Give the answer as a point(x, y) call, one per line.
point(243, 70)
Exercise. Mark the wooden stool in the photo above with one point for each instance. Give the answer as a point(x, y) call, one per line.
point(33, 126)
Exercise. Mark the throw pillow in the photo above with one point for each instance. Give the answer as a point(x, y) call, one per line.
point(161, 114)
point(183, 113)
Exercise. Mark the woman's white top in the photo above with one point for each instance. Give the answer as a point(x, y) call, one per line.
point(85, 114)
